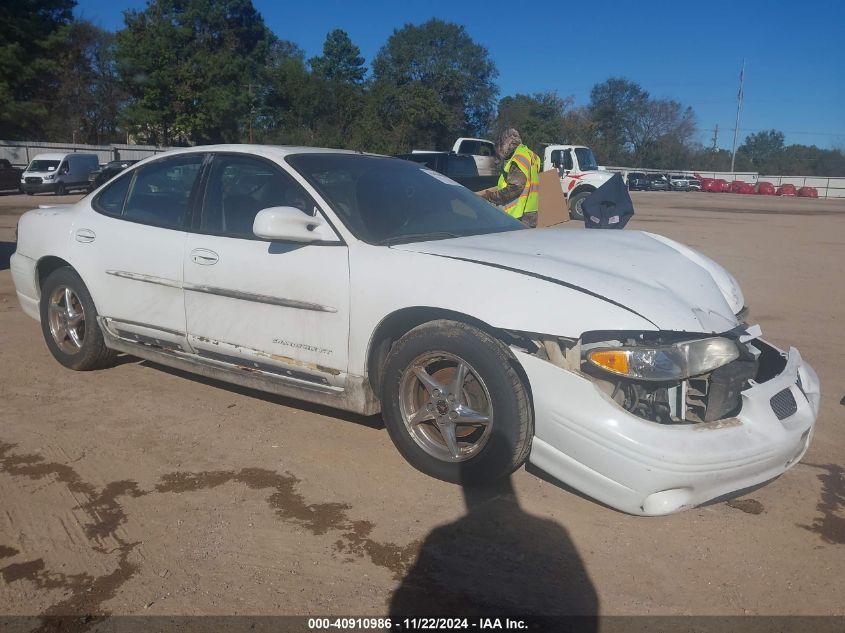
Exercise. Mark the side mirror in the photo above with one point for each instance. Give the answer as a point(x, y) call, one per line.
point(289, 224)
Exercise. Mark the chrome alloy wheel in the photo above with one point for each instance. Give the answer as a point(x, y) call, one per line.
point(446, 407)
point(67, 319)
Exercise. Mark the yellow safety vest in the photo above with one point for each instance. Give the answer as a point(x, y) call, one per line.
point(529, 200)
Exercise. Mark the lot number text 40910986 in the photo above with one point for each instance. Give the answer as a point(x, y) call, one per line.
point(416, 624)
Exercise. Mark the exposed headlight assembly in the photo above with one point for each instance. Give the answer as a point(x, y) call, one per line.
point(665, 363)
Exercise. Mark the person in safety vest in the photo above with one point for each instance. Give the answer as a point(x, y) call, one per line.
point(519, 182)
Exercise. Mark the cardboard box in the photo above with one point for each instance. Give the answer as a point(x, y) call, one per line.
point(553, 207)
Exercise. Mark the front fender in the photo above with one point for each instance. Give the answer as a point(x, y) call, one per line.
point(580, 189)
point(384, 281)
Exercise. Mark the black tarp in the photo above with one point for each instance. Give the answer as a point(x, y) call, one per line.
point(609, 206)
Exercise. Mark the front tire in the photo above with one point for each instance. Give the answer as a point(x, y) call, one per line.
point(576, 205)
point(60, 189)
point(454, 404)
point(69, 323)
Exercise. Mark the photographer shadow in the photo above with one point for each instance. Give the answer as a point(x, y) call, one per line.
point(498, 561)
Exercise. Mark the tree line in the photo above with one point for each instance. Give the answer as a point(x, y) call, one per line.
point(184, 72)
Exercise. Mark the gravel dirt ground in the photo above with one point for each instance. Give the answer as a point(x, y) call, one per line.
point(141, 490)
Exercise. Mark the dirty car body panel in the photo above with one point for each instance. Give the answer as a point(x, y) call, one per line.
point(308, 318)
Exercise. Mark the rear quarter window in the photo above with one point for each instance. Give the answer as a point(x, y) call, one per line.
point(110, 200)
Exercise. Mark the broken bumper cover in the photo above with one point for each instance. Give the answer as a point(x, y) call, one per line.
point(590, 443)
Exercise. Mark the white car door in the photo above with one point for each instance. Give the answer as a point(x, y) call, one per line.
point(129, 250)
point(279, 308)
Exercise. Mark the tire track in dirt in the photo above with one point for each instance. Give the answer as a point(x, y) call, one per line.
point(83, 608)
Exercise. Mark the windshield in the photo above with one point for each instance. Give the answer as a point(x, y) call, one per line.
point(385, 200)
point(586, 160)
point(43, 165)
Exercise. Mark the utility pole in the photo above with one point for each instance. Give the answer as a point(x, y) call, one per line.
point(738, 110)
point(251, 111)
point(715, 136)
point(249, 87)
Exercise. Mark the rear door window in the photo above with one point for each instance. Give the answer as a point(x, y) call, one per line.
point(160, 193)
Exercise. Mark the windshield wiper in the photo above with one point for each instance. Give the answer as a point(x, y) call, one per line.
point(416, 237)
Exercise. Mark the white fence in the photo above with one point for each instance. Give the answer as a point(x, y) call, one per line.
point(827, 187)
point(19, 153)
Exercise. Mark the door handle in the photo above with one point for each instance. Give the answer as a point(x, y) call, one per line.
point(85, 235)
point(204, 257)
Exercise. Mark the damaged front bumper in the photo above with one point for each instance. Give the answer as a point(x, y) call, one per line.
point(587, 441)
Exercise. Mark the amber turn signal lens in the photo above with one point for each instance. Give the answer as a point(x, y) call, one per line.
point(615, 361)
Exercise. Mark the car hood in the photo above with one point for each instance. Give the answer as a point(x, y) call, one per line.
point(669, 284)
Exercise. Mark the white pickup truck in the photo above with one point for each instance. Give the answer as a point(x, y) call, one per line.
point(580, 174)
point(471, 162)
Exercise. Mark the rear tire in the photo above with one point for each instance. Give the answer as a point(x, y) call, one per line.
point(454, 404)
point(69, 323)
point(576, 202)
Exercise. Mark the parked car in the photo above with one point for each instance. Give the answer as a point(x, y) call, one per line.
point(808, 192)
point(708, 184)
point(716, 185)
point(677, 182)
point(786, 190)
point(637, 181)
point(58, 173)
point(694, 184)
point(10, 177)
point(765, 188)
point(658, 182)
point(108, 171)
point(297, 271)
point(740, 186)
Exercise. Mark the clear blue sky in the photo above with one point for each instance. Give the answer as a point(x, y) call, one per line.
point(688, 51)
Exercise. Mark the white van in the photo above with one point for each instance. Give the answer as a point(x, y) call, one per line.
point(58, 173)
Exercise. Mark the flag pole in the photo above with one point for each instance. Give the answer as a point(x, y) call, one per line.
point(739, 96)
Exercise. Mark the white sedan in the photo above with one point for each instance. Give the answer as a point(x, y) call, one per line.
point(617, 361)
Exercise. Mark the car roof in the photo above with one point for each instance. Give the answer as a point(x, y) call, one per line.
point(278, 151)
